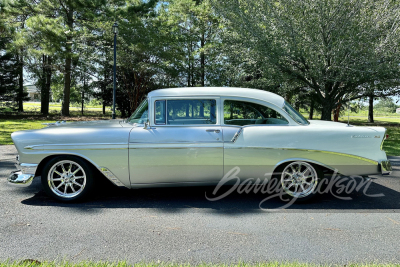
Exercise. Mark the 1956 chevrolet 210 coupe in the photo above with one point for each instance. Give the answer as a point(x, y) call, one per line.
point(193, 136)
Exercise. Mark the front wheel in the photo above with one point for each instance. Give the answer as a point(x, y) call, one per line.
point(67, 178)
point(300, 179)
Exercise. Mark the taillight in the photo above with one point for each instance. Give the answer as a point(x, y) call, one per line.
point(386, 136)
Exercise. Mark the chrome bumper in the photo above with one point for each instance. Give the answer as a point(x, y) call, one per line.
point(24, 176)
point(386, 167)
point(20, 179)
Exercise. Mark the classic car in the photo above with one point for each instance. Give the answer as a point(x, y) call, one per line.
point(193, 136)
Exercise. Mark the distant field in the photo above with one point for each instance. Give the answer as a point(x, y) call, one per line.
point(35, 106)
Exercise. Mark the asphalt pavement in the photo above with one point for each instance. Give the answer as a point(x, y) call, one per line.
point(180, 225)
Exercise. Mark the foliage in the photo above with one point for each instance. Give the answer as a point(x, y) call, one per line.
point(9, 64)
point(330, 48)
point(387, 105)
point(317, 54)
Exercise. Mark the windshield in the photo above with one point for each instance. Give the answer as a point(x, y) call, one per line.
point(141, 114)
point(294, 114)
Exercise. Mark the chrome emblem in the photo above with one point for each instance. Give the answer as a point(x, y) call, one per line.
point(361, 136)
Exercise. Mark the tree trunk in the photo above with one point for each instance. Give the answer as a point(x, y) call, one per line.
point(327, 108)
point(311, 115)
point(371, 109)
point(21, 82)
point(83, 95)
point(202, 60)
point(337, 112)
point(68, 61)
point(188, 79)
point(43, 95)
point(104, 107)
point(48, 78)
point(46, 83)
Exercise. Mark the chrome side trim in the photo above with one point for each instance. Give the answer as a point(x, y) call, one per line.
point(236, 136)
point(177, 147)
point(176, 142)
point(20, 179)
point(110, 176)
point(386, 167)
point(311, 150)
point(77, 144)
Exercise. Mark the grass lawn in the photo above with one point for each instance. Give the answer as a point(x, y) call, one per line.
point(56, 107)
point(32, 263)
point(7, 127)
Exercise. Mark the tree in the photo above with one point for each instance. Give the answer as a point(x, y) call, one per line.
point(387, 104)
point(191, 41)
point(331, 47)
point(10, 74)
point(60, 26)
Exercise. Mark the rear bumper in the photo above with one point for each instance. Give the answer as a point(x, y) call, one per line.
point(20, 179)
point(386, 167)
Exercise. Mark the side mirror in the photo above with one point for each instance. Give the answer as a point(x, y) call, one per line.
point(147, 125)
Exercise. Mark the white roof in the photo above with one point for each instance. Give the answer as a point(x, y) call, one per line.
point(220, 91)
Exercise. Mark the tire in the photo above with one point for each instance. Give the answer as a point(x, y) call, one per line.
point(67, 178)
point(299, 180)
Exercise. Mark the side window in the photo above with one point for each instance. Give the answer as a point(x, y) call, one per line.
point(159, 112)
point(186, 112)
point(191, 111)
point(248, 113)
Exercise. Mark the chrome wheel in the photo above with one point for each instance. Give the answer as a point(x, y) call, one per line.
point(299, 179)
point(66, 179)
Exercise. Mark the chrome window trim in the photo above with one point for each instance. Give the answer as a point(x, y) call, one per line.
point(217, 99)
point(148, 111)
point(308, 123)
point(165, 111)
point(189, 98)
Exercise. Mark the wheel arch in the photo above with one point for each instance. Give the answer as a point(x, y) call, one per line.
point(44, 161)
point(324, 168)
point(105, 174)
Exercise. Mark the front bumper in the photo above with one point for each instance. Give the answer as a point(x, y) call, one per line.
point(24, 175)
point(20, 179)
point(386, 167)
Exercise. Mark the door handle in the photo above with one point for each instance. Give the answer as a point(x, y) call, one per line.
point(212, 130)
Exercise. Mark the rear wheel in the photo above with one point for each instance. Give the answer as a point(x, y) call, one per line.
point(300, 180)
point(67, 178)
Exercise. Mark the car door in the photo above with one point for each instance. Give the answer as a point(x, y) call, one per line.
point(249, 130)
point(182, 145)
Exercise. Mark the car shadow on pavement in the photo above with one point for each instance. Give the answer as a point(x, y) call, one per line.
point(374, 198)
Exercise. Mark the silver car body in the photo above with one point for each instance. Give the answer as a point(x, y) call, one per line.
point(139, 155)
